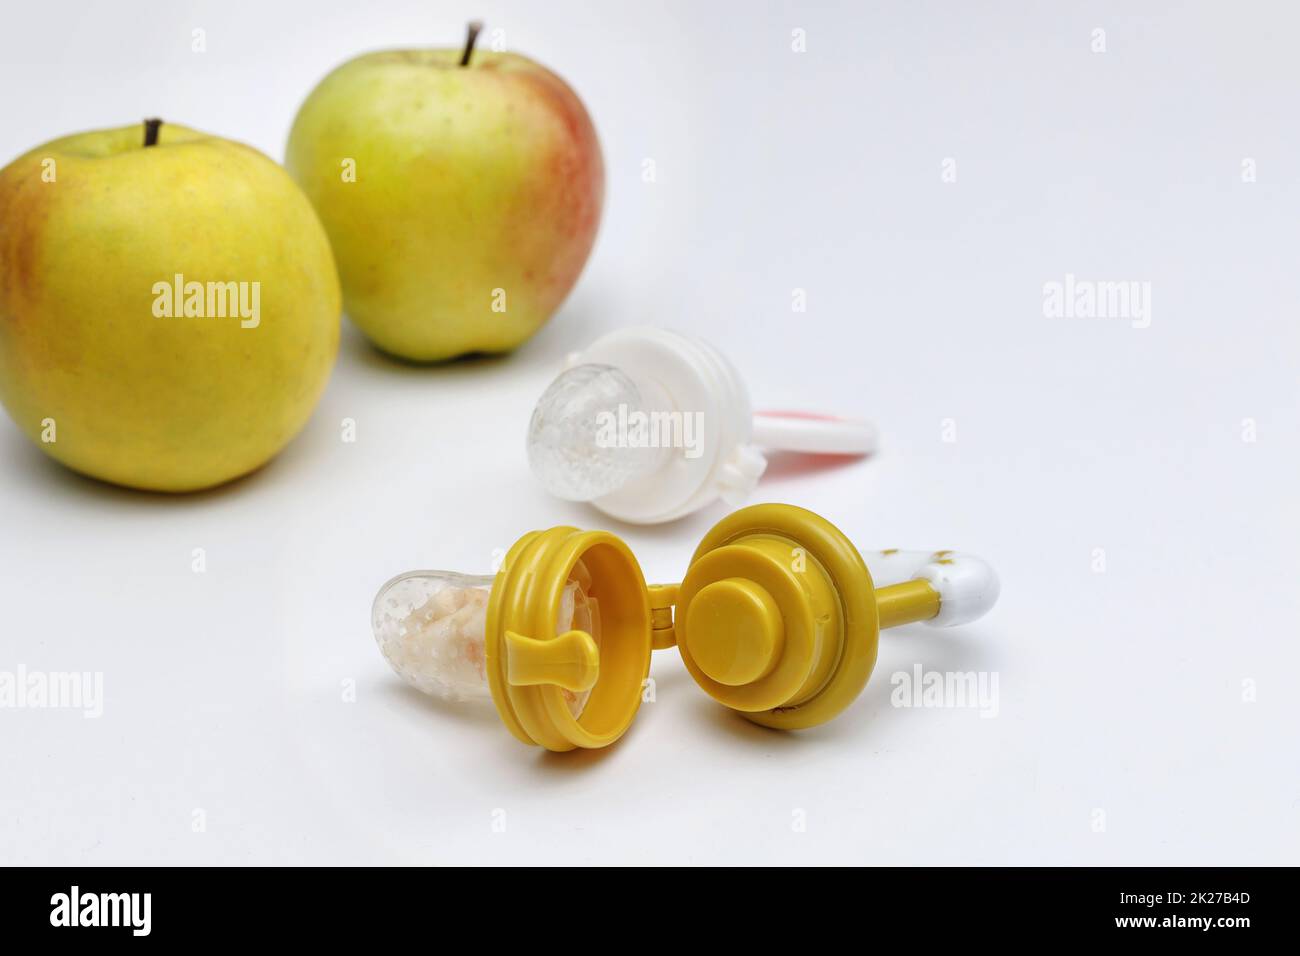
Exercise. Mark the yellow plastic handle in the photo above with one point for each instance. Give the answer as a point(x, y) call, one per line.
point(570, 660)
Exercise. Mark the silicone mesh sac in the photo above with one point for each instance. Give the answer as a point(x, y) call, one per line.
point(578, 446)
point(431, 628)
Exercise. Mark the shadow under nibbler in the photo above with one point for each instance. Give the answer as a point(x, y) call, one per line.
point(578, 761)
point(867, 720)
point(714, 720)
point(853, 726)
point(931, 653)
point(468, 713)
point(865, 723)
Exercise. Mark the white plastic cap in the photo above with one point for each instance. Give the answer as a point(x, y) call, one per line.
point(649, 425)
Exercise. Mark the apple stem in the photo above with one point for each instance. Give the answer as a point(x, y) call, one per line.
point(475, 26)
point(151, 131)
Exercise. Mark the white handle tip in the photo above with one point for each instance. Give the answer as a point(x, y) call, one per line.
point(968, 587)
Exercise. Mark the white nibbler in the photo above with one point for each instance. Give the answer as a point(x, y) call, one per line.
point(649, 425)
point(431, 625)
point(777, 616)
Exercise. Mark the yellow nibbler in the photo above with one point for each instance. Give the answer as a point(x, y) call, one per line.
point(777, 617)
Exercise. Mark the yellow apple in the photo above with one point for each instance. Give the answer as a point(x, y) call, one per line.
point(461, 191)
point(169, 307)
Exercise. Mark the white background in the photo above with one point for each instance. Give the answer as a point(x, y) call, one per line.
point(1123, 694)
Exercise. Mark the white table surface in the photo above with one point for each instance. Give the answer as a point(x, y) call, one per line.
point(1147, 714)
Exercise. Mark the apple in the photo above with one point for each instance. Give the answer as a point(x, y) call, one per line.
point(461, 191)
point(169, 307)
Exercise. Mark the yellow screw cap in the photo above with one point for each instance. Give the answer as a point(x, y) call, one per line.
point(736, 631)
point(529, 667)
point(777, 617)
